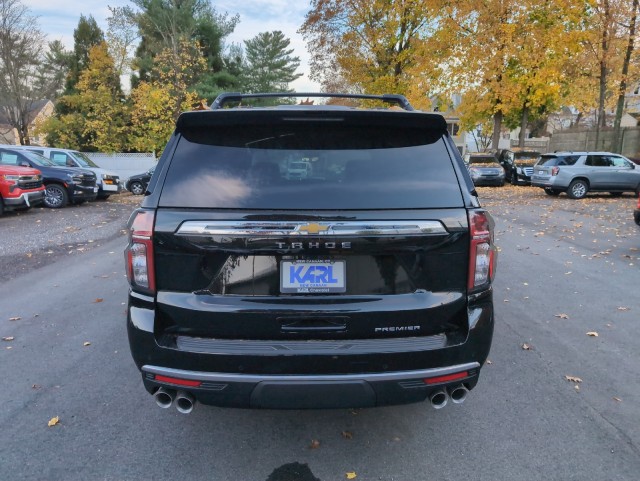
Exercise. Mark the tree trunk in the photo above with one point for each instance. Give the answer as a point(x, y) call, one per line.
point(601, 121)
point(622, 90)
point(497, 127)
point(523, 126)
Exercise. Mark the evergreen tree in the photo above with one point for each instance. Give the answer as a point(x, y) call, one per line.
point(269, 64)
point(167, 24)
point(86, 35)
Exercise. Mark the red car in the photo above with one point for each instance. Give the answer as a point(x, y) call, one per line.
point(20, 188)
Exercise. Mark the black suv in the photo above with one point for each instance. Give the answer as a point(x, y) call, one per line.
point(518, 165)
point(63, 184)
point(137, 184)
point(364, 282)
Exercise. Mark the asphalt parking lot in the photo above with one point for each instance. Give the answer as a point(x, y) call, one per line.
point(558, 399)
point(41, 236)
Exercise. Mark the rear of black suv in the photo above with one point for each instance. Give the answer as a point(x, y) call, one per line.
point(366, 282)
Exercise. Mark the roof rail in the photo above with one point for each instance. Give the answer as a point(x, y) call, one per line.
point(225, 97)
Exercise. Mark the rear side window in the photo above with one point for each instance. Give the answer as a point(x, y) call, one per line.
point(311, 165)
point(553, 160)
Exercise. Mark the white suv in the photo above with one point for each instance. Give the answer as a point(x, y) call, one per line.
point(108, 182)
point(578, 173)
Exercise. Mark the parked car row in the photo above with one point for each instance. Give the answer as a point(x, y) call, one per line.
point(575, 173)
point(108, 182)
point(54, 177)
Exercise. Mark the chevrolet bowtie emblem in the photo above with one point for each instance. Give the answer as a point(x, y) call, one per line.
point(313, 228)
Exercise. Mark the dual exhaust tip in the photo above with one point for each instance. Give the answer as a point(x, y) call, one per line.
point(440, 398)
point(183, 400)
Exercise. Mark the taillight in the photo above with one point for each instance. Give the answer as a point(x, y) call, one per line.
point(481, 250)
point(447, 378)
point(555, 170)
point(139, 252)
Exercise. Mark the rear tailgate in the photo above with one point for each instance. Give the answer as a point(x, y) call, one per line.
point(276, 285)
point(372, 243)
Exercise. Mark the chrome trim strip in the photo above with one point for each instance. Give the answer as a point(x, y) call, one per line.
point(254, 378)
point(286, 229)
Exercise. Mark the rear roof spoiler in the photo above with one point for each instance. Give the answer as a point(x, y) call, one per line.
point(226, 97)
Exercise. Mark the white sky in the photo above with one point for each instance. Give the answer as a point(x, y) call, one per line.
point(59, 19)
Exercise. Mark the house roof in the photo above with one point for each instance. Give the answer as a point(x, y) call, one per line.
point(36, 108)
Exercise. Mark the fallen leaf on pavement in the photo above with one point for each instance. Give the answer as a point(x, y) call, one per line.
point(315, 444)
point(526, 347)
point(623, 308)
point(87, 343)
point(573, 379)
point(15, 318)
point(36, 386)
point(489, 361)
point(562, 316)
point(592, 334)
point(351, 475)
point(347, 434)
point(99, 299)
point(53, 421)
point(8, 338)
point(617, 399)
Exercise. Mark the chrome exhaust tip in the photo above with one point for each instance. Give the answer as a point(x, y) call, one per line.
point(164, 397)
point(184, 402)
point(458, 394)
point(439, 399)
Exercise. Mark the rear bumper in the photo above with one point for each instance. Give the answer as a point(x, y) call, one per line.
point(636, 216)
point(547, 182)
point(312, 391)
point(309, 374)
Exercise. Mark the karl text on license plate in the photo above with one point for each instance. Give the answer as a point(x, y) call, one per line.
point(312, 276)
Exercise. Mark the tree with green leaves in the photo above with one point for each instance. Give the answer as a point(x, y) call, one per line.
point(86, 35)
point(269, 67)
point(167, 24)
point(157, 103)
point(97, 116)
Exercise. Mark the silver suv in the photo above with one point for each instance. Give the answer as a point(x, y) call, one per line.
point(578, 173)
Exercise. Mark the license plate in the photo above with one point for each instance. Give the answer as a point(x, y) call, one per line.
point(95, 189)
point(312, 276)
point(541, 172)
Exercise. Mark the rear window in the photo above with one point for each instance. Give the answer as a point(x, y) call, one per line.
point(527, 155)
point(553, 160)
point(311, 165)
